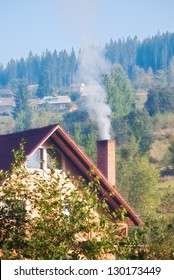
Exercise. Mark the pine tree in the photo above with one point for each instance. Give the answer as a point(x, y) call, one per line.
point(120, 93)
point(44, 88)
point(22, 112)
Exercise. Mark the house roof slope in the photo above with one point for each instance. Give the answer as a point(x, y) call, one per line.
point(85, 164)
point(36, 137)
point(33, 138)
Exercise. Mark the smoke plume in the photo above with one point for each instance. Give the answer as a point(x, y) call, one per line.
point(92, 66)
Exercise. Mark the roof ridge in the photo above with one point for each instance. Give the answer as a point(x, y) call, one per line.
point(31, 129)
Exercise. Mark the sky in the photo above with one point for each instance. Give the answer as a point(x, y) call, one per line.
point(38, 25)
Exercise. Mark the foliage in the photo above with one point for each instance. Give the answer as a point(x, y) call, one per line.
point(51, 218)
point(137, 124)
point(156, 239)
point(140, 127)
point(171, 151)
point(44, 88)
point(120, 94)
point(120, 130)
point(48, 218)
point(166, 205)
point(41, 118)
point(163, 121)
point(13, 216)
point(60, 68)
point(136, 178)
point(171, 72)
point(142, 79)
point(160, 101)
point(79, 125)
point(155, 52)
point(22, 111)
point(152, 53)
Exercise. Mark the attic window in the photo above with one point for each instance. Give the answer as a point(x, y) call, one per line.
point(52, 160)
point(34, 161)
point(42, 158)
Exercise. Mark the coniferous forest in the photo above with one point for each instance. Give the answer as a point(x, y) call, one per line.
point(59, 67)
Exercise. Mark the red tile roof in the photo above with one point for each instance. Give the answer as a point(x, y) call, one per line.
point(36, 137)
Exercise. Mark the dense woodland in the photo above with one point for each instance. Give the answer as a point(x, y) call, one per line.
point(140, 93)
point(59, 68)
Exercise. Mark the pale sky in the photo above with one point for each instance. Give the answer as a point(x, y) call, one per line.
point(38, 25)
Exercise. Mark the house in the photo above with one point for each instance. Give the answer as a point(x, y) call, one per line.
point(7, 105)
point(71, 158)
point(7, 102)
point(57, 103)
point(6, 93)
point(32, 90)
point(78, 87)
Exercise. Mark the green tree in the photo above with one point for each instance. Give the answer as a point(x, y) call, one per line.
point(22, 110)
point(44, 87)
point(41, 118)
point(58, 219)
point(142, 79)
point(156, 239)
point(64, 217)
point(160, 79)
point(160, 101)
point(171, 73)
point(120, 94)
point(83, 130)
point(136, 178)
point(140, 126)
point(13, 216)
point(170, 153)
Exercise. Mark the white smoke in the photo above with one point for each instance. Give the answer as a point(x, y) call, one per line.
point(92, 66)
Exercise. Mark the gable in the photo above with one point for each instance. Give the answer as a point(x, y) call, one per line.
point(33, 138)
point(72, 159)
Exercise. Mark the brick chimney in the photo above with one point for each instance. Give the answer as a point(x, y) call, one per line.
point(106, 159)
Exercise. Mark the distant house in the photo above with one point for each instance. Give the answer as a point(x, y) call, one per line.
point(57, 103)
point(6, 106)
point(6, 93)
point(7, 102)
point(32, 89)
point(78, 87)
point(71, 159)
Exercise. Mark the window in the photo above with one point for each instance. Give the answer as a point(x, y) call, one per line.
point(43, 158)
point(62, 106)
point(34, 161)
point(52, 159)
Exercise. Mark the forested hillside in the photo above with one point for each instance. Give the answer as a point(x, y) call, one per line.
point(154, 53)
point(59, 67)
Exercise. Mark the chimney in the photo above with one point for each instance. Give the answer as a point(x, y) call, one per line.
point(106, 159)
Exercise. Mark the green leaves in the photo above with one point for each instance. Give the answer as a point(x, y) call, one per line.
point(119, 92)
point(22, 111)
point(136, 177)
point(54, 216)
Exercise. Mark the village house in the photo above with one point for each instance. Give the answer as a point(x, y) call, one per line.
point(57, 103)
point(7, 102)
point(71, 158)
point(78, 87)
